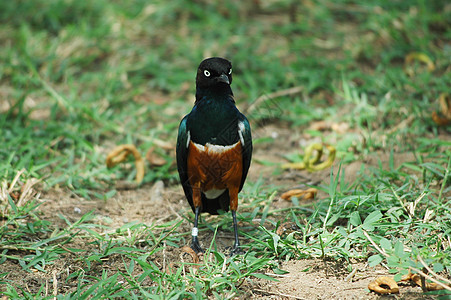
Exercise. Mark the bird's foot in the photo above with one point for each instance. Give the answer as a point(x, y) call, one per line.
point(234, 250)
point(196, 247)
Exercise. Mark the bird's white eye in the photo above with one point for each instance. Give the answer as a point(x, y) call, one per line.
point(207, 73)
point(230, 71)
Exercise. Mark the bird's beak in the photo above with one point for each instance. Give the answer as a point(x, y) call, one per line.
point(223, 78)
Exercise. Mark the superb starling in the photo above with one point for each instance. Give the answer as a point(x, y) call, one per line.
point(214, 146)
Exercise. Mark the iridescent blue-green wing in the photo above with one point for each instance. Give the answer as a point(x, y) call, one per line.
point(246, 139)
point(182, 160)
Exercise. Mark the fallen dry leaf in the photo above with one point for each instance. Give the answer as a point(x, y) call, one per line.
point(319, 125)
point(190, 251)
point(312, 156)
point(418, 56)
point(322, 125)
point(430, 286)
point(307, 194)
point(341, 127)
point(380, 285)
point(445, 106)
point(407, 277)
point(120, 153)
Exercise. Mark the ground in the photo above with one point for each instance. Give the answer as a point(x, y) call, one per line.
point(157, 204)
point(368, 81)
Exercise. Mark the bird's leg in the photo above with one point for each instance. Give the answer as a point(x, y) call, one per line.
point(195, 241)
point(233, 193)
point(197, 206)
point(236, 245)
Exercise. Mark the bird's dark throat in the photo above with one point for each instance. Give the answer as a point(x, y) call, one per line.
point(220, 91)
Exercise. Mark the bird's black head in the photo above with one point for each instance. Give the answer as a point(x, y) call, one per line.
point(214, 71)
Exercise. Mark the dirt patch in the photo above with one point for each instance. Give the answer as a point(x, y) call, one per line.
point(317, 279)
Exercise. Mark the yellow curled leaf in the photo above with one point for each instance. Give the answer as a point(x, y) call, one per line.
point(421, 57)
point(308, 160)
point(120, 153)
point(296, 165)
point(311, 164)
point(312, 156)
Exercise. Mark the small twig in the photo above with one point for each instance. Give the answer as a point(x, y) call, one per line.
point(62, 102)
point(277, 294)
point(423, 282)
point(381, 251)
point(401, 124)
point(263, 98)
point(431, 271)
point(400, 201)
point(329, 210)
point(430, 278)
point(415, 203)
point(241, 283)
point(28, 288)
point(27, 191)
point(66, 249)
point(183, 266)
point(224, 266)
point(351, 275)
point(165, 236)
point(16, 178)
point(278, 275)
point(164, 256)
point(173, 210)
point(55, 285)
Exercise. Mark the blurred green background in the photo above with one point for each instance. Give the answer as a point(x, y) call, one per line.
point(78, 77)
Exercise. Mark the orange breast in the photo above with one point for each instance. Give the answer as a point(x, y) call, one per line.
point(215, 167)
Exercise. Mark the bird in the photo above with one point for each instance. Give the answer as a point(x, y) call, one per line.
point(214, 147)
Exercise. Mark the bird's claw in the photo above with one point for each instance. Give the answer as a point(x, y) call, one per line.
point(234, 250)
point(196, 247)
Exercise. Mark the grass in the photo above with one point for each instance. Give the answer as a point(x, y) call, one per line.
point(78, 78)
